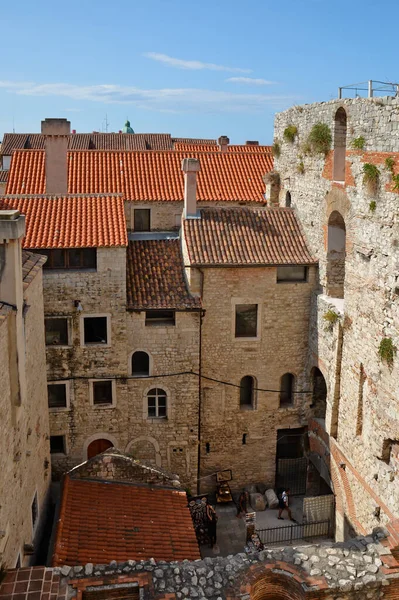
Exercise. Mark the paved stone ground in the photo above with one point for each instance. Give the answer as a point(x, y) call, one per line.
point(231, 531)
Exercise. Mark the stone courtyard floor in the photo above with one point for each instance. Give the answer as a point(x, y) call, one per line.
point(231, 531)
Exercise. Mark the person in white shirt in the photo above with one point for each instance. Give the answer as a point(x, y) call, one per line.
point(283, 504)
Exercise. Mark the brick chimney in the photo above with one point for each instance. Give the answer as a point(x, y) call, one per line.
point(12, 230)
point(223, 142)
point(57, 133)
point(252, 143)
point(190, 168)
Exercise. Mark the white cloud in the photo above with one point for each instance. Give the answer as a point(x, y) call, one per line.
point(163, 100)
point(250, 81)
point(192, 65)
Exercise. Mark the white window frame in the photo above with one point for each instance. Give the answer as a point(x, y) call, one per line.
point(69, 330)
point(82, 330)
point(91, 394)
point(150, 365)
point(169, 411)
point(35, 525)
point(67, 383)
point(234, 303)
point(65, 453)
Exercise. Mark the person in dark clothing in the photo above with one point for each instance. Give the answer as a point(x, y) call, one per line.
point(212, 523)
point(283, 504)
point(242, 504)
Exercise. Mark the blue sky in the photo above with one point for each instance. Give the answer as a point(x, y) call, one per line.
point(192, 69)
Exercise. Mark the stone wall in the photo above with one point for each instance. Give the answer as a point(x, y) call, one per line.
point(363, 408)
point(24, 446)
point(281, 347)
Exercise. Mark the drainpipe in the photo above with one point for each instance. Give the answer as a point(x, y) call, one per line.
point(202, 314)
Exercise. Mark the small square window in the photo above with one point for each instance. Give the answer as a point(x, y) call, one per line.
point(102, 392)
point(57, 444)
point(95, 330)
point(34, 512)
point(142, 219)
point(246, 320)
point(292, 273)
point(57, 395)
point(56, 331)
point(160, 317)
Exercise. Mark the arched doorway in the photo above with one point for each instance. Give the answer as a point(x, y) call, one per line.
point(336, 251)
point(319, 394)
point(98, 446)
point(339, 145)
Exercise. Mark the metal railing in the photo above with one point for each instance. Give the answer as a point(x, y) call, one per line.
point(371, 87)
point(297, 531)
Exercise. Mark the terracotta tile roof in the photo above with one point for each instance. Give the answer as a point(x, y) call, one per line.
point(194, 141)
point(250, 148)
point(31, 264)
point(244, 237)
point(70, 221)
point(155, 277)
point(148, 176)
point(32, 583)
point(104, 521)
point(3, 176)
point(182, 147)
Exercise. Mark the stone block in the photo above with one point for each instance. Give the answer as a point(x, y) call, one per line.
point(271, 498)
point(258, 501)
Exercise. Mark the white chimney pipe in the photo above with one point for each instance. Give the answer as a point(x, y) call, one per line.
point(190, 168)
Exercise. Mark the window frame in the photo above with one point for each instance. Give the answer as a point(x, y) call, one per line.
point(107, 344)
point(148, 396)
point(290, 404)
point(252, 405)
point(246, 302)
point(160, 322)
point(305, 279)
point(103, 406)
point(65, 452)
point(49, 264)
point(148, 211)
point(67, 385)
point(130, 367)
point(69, 330)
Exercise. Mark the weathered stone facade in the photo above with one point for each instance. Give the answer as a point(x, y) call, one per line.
point(362, 408)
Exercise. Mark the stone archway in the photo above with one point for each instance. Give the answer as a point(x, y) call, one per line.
point(276, 586)
point(146, 449)
point(336, 254)
point(97, 447)
point(319, 393)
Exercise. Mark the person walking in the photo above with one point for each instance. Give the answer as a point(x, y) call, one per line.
point(212, 519)
point(283, 504)
point(242, 504)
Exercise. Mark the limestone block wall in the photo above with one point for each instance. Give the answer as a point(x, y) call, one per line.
point(282, 347)
point(24, 446)
point(368, 405)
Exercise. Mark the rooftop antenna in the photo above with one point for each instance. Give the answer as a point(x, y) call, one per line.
point(13, 124)
point(106, 123)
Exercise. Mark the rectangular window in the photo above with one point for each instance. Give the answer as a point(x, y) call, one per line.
point(160, 317)
point(102, 392)
point(56, 331)
point(95, 330)
point(34, 512)
point(292, 273)
point(57, 395)
point(178, 220)
point(246, 320)
point(57, 444)
point(142, 218)
point(70, 258)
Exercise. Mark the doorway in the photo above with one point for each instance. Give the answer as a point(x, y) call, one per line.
point(97, 447)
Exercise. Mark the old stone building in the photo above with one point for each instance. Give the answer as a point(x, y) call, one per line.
point(25, 470)
point(339, 173)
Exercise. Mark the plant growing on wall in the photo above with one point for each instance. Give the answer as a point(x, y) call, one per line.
point(389, 164)
point(371, 176)
point(290, 133)
point(373, 205)
point(276, 149)
point(320, 138)
point(387, 351)
point(301, 168)
point(358, 143)
point(395, 180)
point(331, 317)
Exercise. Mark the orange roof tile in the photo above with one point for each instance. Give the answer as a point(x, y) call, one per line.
point(245, 237)
point(104, 521)
point(187, 147)
point(155, 277)
point(250, 148)
point(71, 221)
point(148, 176)
point(32, 583)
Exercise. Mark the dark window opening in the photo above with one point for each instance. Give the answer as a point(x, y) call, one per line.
point(247, 392)
point(292, 273)
point(246, 320)
point(319, 394)
point(244, 439)
point(336, 255)
point(160, 317)
point(156, 403)
point(207, 447)
point(339, 145)
point(288, 199)
point(142, 218)
point(291, 443)
point(34, 511)
point(70, 258)
point(389, 448)
point(95, 330)
point(140, 364)
point(57, 396)
point(102, 392)
point(57, 444)
point(286, 390)
point(56, 331)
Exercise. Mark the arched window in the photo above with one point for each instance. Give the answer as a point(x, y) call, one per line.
point(336, 255)
point(319, 394)
point(157, 404)
point(288, 199)
point(140, 364)
point(247, 392)
point(287, 389)
point(339, 145)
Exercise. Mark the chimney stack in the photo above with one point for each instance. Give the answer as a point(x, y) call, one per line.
point(190, 168)
point(223, 142)
point(252, 143)
point(57, 133)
